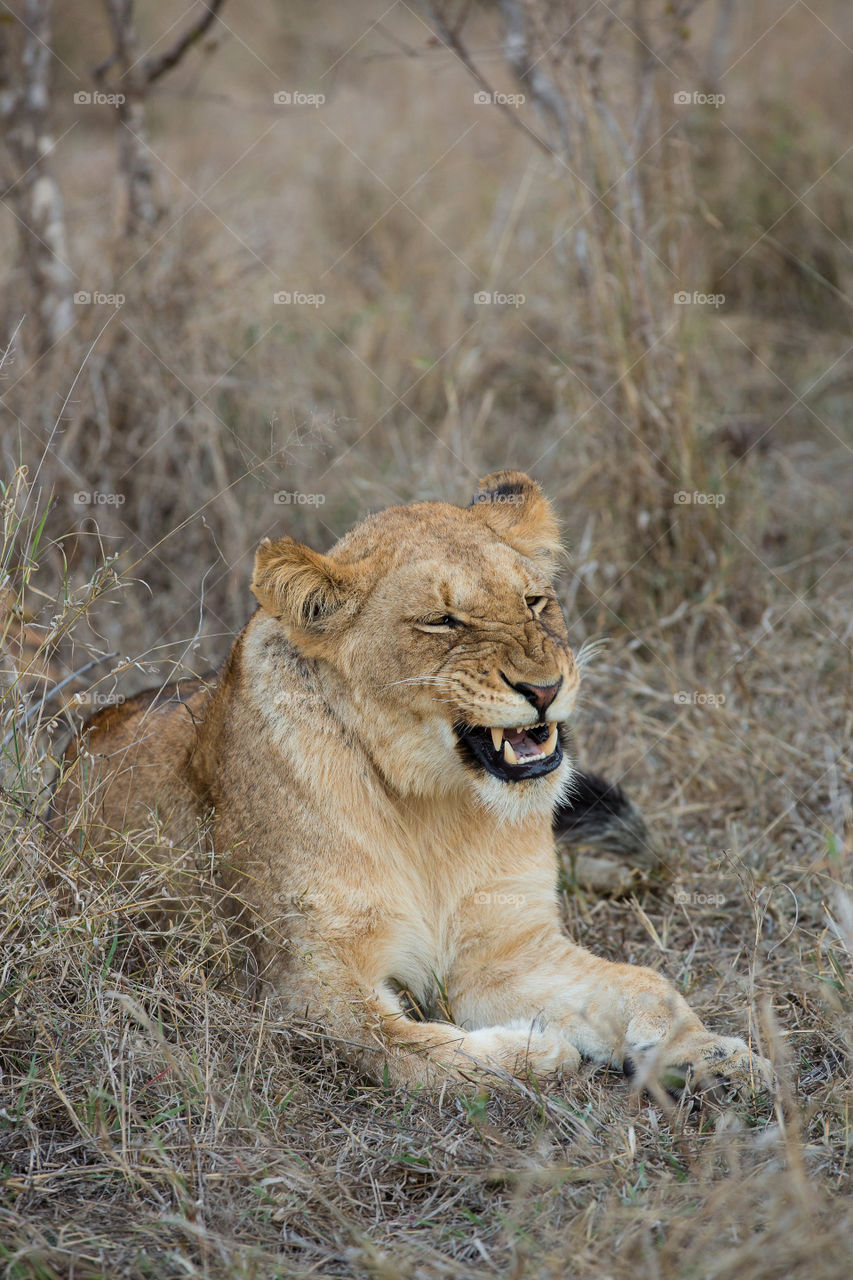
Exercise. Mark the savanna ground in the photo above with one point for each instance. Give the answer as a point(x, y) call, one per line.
point(154, 1121)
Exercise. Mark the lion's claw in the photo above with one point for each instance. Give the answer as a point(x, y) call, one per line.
point(703, 1064)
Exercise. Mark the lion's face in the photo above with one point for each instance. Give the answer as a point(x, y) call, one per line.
point(440, 627)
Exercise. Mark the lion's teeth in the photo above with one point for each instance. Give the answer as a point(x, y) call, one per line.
point(497, 738)
point(551, 741)
point(509, 754)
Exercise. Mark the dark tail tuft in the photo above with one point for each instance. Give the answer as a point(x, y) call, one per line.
point(598, 813)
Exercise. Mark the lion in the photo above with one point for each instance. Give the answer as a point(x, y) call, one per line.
point(374, 772)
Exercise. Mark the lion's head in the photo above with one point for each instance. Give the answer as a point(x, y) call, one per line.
point(443, 644)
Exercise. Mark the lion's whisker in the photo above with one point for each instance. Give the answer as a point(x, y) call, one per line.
point(421, 680)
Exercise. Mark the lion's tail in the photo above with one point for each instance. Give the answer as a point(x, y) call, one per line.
point(598, 814)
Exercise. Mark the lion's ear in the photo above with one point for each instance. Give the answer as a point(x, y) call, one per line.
point(514, 507)
point(301, 587)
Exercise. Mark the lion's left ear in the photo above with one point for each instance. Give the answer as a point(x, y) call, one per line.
point(514, 507)
point(302, 588)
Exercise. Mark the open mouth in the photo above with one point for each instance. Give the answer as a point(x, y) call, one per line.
point(513, 754)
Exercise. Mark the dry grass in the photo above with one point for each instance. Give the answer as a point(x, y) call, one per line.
point(155, 1120)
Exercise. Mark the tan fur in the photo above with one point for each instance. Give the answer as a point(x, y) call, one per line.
point(323, 769)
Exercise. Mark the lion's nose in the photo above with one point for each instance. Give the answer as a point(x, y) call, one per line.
point(540, 696)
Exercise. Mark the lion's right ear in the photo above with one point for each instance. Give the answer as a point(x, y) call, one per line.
point(301, 587)
point(514, 507)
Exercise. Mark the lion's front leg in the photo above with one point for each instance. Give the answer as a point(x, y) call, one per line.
point(356, 1006)
point(622, 1014)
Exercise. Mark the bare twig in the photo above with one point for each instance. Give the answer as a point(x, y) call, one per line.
point(51, 693)
point(155, 67)
point(136, 74)
point(449, 36)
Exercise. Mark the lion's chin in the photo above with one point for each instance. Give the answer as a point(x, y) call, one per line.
point(534, 797)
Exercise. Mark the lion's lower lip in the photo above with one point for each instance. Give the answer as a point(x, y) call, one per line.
point(512, 754)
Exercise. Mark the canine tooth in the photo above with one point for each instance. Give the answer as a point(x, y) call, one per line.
point(509, 754)
point(551, 741)
point(497, 738)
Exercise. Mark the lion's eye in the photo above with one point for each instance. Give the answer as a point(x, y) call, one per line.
point(445, 622)
point(536, 604)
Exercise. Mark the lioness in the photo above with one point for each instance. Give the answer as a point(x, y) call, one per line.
point(376, 767)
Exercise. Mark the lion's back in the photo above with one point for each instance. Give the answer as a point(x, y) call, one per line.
point(129, 760)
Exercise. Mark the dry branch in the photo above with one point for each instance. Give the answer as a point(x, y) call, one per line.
point(135, 75)
point(155, 67)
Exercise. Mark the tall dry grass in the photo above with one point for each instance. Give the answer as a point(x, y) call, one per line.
point(155, 1119)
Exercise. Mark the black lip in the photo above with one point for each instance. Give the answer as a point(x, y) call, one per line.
point(477, 749)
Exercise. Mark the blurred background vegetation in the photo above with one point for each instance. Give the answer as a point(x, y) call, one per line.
point(398, 199)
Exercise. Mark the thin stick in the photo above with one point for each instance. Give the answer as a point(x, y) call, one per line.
point(51, 693)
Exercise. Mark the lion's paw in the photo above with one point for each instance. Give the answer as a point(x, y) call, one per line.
point(521, 1049)
point(699, 1062)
